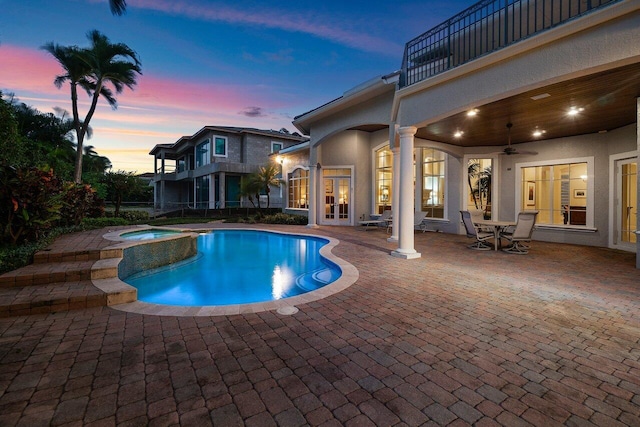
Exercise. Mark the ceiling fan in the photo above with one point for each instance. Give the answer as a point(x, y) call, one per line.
point(512, 150)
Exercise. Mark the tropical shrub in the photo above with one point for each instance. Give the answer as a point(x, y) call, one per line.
point(283, 218)
point(90, 223)
point(134, 216)
point(30, 203)
point(80, 201)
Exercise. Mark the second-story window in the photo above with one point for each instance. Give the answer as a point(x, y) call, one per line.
point(276, 147)
point(181, 164)
point(203, 156)
point(220, 146)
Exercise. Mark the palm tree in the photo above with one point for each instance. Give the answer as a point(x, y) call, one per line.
point(250, 188)
point(267, 176)
point(484, 189)
point(95, 163)
point(94, 69)
point(118, 7)
point(472, 172)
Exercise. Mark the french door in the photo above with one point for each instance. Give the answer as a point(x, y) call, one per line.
point(337, 197)
point(627, 202)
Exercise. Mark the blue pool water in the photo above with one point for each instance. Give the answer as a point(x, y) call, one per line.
point(153, 233)
point(239, 267)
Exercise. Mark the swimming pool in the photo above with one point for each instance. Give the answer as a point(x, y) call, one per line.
point(239, 267)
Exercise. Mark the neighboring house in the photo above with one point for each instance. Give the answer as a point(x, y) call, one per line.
point(434, 136)
point(204, 170)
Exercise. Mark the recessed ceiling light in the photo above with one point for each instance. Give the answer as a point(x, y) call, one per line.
point(473, 112)
point(541, 96)
point(458, 134)
point(539, 132)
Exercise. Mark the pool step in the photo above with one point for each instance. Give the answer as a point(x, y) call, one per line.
point(85, 279)
point(314, 280)
point(50, 298)
point(47, 273)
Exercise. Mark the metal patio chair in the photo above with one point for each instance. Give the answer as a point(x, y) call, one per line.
point(473, 232)
point(520, 236)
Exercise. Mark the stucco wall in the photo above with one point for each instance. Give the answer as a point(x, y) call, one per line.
point(373, 111)
point(354, 149)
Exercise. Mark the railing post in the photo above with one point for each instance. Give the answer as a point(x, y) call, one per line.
point(449, 43)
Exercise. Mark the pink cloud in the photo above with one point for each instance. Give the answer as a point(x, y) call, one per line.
point(155, 92)
point(158, 111)
point(28, 69)
point(280, 19)
point(29, 73)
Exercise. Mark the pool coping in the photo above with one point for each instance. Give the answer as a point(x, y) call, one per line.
point(284, 306)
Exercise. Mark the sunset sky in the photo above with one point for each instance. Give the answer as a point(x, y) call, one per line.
point(243, 63)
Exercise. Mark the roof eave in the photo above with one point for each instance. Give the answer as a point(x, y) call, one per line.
point(356, 95)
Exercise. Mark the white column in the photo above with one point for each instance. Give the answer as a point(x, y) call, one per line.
point(312, 197)
point(395, 183)
point(405, 205)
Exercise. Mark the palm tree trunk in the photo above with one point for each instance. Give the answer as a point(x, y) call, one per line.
point(77, 175)
point(473, 194)
point(81, 128)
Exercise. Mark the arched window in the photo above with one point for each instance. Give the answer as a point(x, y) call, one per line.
point(298, 189)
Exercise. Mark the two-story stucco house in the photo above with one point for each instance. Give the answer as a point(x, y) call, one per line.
point(508, 106)
point(204, 170)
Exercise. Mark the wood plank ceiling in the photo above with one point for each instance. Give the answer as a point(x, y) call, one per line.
point(608, 99)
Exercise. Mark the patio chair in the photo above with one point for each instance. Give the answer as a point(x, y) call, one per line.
point(473, 232)
point(477, 215)
point(520, 236)
point(382, 221)
point(418, 217)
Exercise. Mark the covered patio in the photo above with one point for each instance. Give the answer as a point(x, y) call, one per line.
point(456, 337)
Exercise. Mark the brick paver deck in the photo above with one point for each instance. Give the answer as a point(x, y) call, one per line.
point(457, 337)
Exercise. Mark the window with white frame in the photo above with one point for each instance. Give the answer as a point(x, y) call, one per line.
point(559, 193)
point(433, 182)
point(203, 153)
point(298, 189)
point(220, 146)
point(276, 146)
point(479, 185)
point(384, 179)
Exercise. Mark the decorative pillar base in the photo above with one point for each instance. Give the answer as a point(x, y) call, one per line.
point(312, 226)
point(406, 255)
point(392, 239)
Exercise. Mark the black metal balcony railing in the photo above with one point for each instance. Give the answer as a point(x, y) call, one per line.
point(484, 28)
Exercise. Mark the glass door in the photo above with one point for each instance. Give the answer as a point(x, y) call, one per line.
point(626, 207)
point(337, 197)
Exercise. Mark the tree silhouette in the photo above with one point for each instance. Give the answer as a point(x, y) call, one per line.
point(100, 69)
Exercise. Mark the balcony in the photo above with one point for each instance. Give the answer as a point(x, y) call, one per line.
point(484, 28)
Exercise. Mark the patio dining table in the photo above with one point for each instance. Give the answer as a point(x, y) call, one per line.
point(496, 227)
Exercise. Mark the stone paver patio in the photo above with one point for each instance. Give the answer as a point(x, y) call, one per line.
point(457, 337)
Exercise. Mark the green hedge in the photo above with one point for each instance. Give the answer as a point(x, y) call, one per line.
point(283, 218)
point(131, 216)
point(91, 223)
